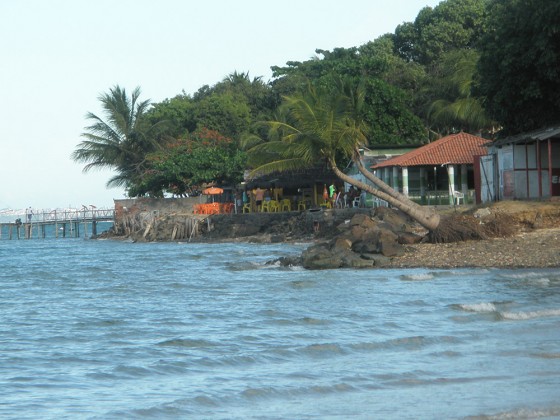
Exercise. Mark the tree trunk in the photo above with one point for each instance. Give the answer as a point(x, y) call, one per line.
point(426, 217)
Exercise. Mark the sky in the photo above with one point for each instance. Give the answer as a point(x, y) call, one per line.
point(59, 56)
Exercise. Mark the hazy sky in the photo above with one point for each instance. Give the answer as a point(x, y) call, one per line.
point(58, 56)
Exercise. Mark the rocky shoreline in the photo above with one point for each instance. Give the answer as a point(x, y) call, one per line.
point(534, 242)
point(533, 249)
point(527, 236)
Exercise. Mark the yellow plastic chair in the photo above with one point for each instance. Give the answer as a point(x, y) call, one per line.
point(286, 205)
point(265, 206)
point(301, 205)
point(273, 206)
point(247, 208)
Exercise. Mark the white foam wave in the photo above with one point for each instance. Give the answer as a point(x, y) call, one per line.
point(418, 277)
point(541, 281)
point(522, 413)
point(530, 315)
point(484, 307)
point(524, 275)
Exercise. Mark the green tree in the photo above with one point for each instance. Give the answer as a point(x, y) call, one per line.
point(122, 140)
point(387, 110)
point(226, 113)
point(453, 24)
point(326, 125)
point(520, 63)
point(177, 113)
point(204, 156)
point(388, 117)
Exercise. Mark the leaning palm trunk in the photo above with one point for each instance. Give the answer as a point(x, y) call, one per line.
point(449, 229)
point(427, 218)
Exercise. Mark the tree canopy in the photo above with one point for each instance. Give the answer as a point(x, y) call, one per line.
point(464, 65)
point(520, 63)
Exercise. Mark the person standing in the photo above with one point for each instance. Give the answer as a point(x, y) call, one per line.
point(332, 193)
point(259, 195)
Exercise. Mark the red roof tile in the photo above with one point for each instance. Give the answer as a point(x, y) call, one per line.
point(457, 149)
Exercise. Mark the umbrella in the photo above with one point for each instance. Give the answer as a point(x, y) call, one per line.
point(212, 191)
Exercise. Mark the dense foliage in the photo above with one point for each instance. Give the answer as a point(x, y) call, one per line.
point(472, 65)
point(188, 163)
point(520, 63)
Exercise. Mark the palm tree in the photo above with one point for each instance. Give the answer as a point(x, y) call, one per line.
point(456, 108)
point(122, 140)
point(326, 126)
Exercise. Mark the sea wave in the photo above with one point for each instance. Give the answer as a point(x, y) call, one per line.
point(545, 313)
point(520, 413)
point(418, 277)
point(483, 307)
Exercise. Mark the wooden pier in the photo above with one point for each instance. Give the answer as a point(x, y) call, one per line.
point(59, 223)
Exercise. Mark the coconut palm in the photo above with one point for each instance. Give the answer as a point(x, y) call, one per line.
point(326, 126)
point(122, 140)
point(456, 108)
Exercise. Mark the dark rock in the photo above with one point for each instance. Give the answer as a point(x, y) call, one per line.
point(292, 261)
point(352, 260)
point(342, 244)
point(388, 244)
point(408, 238)
point(319, 257)
point(362, 220)
point(378, 259)
point(366, 247)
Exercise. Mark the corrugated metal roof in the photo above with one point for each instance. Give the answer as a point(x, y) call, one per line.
point(456, 149)
point(542, 134)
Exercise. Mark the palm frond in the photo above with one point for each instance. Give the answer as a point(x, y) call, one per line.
point(284, 165)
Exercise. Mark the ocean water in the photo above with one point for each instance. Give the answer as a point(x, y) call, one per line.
point(117, 330)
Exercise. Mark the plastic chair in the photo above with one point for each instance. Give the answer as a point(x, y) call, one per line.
point(458, 196)
point(301, 205)
point(265, 206)
point(247, 208)
point(273, 206)
point(286, 205)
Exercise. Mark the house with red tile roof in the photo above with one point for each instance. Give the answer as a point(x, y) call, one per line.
point(439, 170)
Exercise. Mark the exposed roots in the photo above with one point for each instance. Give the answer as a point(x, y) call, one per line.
point(457, 228)
point(462, 227)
